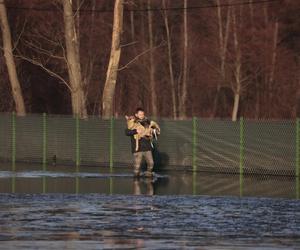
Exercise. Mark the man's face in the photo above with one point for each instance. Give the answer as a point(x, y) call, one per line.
point(140, 115)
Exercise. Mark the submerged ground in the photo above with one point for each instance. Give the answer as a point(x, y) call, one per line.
point(93, 210)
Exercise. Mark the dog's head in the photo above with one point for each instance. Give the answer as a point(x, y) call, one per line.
point(129, 118)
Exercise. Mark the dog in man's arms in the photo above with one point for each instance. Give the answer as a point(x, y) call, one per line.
point(149, 128)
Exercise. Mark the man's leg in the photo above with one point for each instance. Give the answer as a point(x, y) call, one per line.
point(150, 162)
point(138, 156)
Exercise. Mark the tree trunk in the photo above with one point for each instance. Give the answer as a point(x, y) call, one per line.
point(223, 41)
point(73, 61)
point(173, 90)
point(273, 64)
point(297, 106)
point(10, 63)
point(143, 98)
point(237, 70)
point(235, 106)
point(257, 99)
point(88, 69)
point(296, 109)
point(77, 27)
point(183, 91)
point(112, 70)
point(132, 26)
point(266, 95)
point(151, 61)
point(257, 85)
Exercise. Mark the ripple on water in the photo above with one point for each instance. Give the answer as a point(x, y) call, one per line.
point(151, 220)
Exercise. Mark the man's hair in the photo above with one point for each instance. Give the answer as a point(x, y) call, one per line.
point(139, 109)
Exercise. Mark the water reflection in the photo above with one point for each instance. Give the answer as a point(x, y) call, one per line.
point(137, 186)
point(32, 179)
point(161, 213)
point(173, 183)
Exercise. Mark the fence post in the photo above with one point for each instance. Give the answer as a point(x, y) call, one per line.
point(77, 152)
point(44, 141)
point(194, 158)
point(242, 147)
point(111, 144)
point(13, 141)
point(297, 188)
point(194, 153)
point(77, 142)
point(297, 147)
point(297, 167)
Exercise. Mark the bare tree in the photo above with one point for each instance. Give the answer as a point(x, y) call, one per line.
point(170, 60)
point(273, 63)
point(257, 92)
point(183, 92)
point(58, 51)
point(88, 67)
point(223, 34)
point(73, 61)
point(237, 69)
point(151, 64)
point(10, 63)
point(112, 70)
point(132, 25)
point(238, 84)
point(221, 53)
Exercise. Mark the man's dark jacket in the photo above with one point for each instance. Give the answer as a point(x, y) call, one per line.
point(144, 144)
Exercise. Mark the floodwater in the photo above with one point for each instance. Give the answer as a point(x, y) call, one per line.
point(93, 208)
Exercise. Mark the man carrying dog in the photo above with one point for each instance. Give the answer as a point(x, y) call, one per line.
point(144, 148)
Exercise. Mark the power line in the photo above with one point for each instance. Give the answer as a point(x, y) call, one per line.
point(205, 6)
point(255, 2)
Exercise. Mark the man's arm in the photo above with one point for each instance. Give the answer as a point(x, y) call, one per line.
point(130, 132)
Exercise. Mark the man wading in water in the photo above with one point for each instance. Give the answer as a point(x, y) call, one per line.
point(144, 146)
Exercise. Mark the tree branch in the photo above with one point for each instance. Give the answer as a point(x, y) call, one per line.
point(42, 51)
point(211, 65)
point(50, 72)
point(128, 44)
point(138, 56)
point(19, 37)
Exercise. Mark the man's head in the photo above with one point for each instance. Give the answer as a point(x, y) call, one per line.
point(140, 113)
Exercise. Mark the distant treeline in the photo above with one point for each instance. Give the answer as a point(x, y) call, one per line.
point(174, 58)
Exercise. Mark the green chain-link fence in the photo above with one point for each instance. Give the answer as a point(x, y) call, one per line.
point(245, 146)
